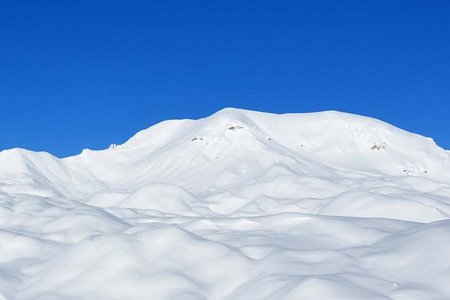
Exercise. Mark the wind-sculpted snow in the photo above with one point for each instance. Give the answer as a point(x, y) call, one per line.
point(239, 205)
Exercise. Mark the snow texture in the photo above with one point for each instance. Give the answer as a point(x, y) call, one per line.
point(238, 205)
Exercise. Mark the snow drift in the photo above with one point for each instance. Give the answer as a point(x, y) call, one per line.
point(238, 205)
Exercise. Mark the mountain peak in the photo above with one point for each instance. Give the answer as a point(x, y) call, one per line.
point(236, 139)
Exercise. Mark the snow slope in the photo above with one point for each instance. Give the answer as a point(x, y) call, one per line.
point(238, 205)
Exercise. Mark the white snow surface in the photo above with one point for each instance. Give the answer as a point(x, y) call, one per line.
point(238, 205)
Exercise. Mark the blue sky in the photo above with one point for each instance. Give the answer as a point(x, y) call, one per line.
point(85, 74)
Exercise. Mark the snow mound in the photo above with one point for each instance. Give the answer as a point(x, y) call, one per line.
point(238, 205)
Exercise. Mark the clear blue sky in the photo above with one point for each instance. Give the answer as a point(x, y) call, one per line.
point(85, 74)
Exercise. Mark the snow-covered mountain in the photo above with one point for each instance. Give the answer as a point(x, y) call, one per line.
point(238, 205)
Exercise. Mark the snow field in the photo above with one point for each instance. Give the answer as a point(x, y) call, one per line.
point(239, 205)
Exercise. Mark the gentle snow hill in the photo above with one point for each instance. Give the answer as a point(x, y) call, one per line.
point(338, 140)
point(284, 156)
point(237, 205)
